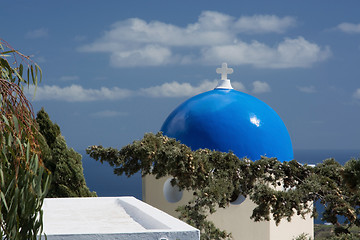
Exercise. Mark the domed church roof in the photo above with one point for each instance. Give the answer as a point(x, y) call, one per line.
point(226, 120)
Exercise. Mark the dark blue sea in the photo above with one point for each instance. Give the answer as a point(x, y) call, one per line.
point(101, 179)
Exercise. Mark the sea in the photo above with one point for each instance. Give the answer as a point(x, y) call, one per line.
point(101, 178)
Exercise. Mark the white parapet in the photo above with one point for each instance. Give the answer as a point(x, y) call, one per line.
point(121, 218)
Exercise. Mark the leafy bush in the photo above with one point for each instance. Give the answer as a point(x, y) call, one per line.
point(24, 179)
point(215, 177)
point(24, 184)
point(65, 164)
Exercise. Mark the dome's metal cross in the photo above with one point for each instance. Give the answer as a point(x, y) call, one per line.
point(224, 71)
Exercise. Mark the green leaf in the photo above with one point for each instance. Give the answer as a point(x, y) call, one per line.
point(2, 177)
point(28, 73)
point(20, 145)
point(5, 120)
point(4, 63)
point(21, 69)
point(10, 140)
point(4, 201)
point(32, 73)
point(16, 123)
point(27, 151)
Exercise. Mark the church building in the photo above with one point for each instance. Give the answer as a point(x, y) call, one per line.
point(226, 120)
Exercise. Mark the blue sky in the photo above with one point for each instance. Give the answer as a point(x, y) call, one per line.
point(114, 70)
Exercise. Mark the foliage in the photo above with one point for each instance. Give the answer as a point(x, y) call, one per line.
point(24, 179)
point(64, 163)
point(24, 183)
point(279, 190)
point(347, 236)
point(324, 232)
point(302, 236)
point(47, 128)
point(13, 70)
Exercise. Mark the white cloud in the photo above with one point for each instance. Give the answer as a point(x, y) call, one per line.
point(289, 53)
point(307, 89)
point(264, 24)
point(210, 40)
point(349, 27)
point(260, 87)
point(211, 28)
point(69, 78)
point(356, 94)
point(238, 86)
point(108, 114)
point(76, 93)
point(175, 89)
point(150, 55)
point(37, 33)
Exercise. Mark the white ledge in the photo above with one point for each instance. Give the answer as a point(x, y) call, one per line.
point(121, 218)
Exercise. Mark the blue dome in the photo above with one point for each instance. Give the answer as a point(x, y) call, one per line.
point(229, 120)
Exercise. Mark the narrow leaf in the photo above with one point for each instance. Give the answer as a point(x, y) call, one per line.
point(4, 201)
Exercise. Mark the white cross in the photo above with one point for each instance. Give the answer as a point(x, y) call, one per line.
point(224, 71)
